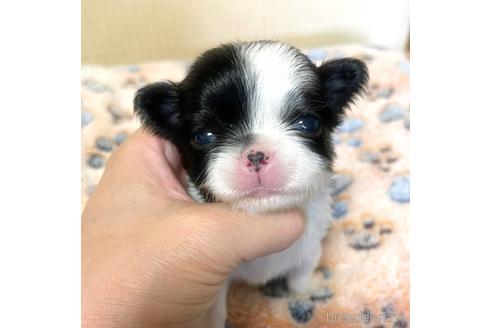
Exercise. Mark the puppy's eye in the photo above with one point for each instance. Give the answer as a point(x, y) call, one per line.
point(308, 125)
point(204, 137)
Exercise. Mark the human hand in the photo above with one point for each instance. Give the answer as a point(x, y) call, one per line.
point(153, 257)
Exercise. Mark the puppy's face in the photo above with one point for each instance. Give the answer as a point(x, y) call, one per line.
point(253, 122)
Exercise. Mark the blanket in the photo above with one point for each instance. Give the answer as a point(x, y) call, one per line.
point(363, 273)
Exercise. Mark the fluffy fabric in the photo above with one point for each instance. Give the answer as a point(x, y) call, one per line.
point(364, 268)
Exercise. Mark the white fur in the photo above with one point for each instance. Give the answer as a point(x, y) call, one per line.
point(275, 76)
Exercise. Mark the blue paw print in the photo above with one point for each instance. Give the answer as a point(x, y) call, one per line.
point(325, 272)
point(351, 125)
point(86, 118)
point(386, 93)
point(104, 144)
point(301, 311)
point(96, 161)
point(340, 209)
point(369, 157)
point(95, 86)
point(354, 142)
point(392, 113)
point(364, 241)
point(400, 190)
point(120, 137)
point(340, 184)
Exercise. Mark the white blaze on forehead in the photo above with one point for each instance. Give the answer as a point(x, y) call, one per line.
point(275, 74)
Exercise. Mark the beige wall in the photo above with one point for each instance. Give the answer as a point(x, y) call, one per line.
point(128, 31)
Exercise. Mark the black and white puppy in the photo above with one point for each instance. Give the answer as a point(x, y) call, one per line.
point(253, 123)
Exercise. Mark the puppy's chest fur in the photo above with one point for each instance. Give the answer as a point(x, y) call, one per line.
point(301, 254)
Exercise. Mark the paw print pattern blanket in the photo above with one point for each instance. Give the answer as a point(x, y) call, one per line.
point(363, 275)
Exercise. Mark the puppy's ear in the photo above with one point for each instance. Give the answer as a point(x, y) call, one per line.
point(157, 106)
point(342, 81)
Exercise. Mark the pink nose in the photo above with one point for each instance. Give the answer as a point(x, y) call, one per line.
point(257, 160)
point(258, 169)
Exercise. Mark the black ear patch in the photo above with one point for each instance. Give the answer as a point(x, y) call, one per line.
point(157, 106)
point(342, 81)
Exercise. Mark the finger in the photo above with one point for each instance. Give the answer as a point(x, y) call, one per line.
point(261, 235)
point(244, 237)
point(152, 162)
point(163, 149)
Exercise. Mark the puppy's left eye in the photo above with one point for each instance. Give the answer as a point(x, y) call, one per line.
point(308, 125)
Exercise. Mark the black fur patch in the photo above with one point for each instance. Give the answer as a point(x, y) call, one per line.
point(342, 81)
point(216, 96)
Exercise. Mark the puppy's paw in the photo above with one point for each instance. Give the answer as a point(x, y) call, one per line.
point(313, 286)
point(300, 284)
point(303, 305)
point(368, 234)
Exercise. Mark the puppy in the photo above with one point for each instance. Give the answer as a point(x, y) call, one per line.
point(253, 122)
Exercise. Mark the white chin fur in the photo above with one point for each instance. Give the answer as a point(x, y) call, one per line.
point(268, 204)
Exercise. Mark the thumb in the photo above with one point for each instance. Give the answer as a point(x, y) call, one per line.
point(243, 237)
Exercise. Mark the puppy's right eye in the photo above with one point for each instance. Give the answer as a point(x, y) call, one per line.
point(204, 137)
